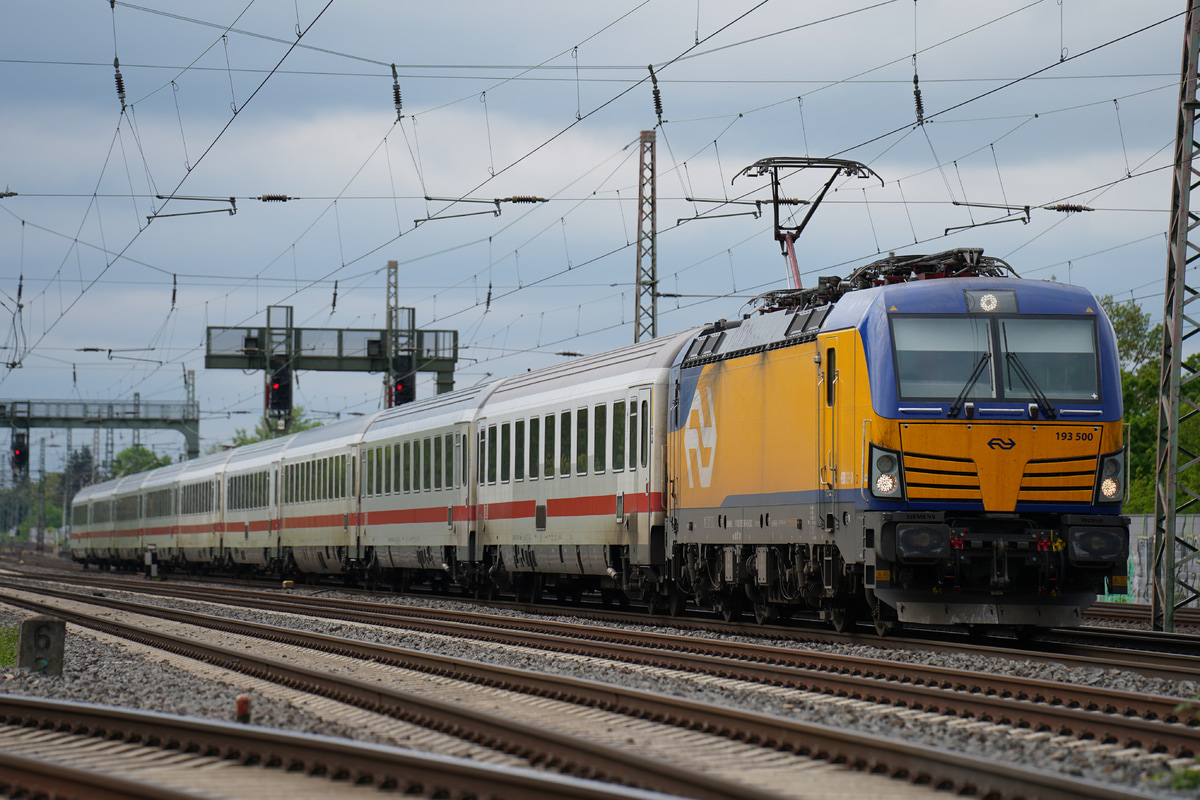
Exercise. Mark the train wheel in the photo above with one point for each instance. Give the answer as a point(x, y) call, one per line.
point(886, 627)
point(676, 602)
point(764, 612)
point(728, 605)
point(841, 618)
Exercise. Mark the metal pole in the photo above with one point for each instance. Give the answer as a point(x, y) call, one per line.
point(1176, 328)
point(646, 324)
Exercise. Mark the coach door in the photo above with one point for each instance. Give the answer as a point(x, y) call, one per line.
point(835, 401)
point(634, 494)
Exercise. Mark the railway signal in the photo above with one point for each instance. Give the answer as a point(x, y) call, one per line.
point(20, 454)
point(279, 390)
point(404, 381)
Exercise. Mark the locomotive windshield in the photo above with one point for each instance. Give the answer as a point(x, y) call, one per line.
point(944, 357)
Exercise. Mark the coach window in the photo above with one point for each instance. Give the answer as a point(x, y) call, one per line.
point(416, 465)
point(481, 457)
point(618, 436)
point(343, 478)
point(564, 443)
point(437, 462)
point(407, 468)
point(548, 460)
point(449, 439)
point(387, 469)
point(645, 432)
point(492, 455)
point(535, 446)
point(396, 468)
point(600, 439)
point(505, 452)
point(519, 450)
point(633, 434)
point(369, 472)
point(426, 461)
point(581, 441)
point(378, 470)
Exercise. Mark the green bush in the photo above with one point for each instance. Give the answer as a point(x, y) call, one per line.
point(8, 646)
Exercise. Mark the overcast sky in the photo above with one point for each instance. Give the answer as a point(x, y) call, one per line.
point(1025, 103)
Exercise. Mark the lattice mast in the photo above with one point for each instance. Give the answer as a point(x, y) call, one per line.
point(646, 324)
point(1167, 591)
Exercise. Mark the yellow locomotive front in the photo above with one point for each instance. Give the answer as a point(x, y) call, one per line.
point(927, 441)
point(996, 460)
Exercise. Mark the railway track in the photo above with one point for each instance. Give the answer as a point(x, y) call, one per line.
point(769, 666)
point(57, 749)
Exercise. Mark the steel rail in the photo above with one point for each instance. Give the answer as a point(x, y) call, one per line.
point(541, 747)
point(21, 776)
point(357, 763)
point(991, 695)
point(962, 773)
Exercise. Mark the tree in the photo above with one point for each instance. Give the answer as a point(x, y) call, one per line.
point(136, 459)
point(262, 431)
point(1140, 345)
point(1137, 340)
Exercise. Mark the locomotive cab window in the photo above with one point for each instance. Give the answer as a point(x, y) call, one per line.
point(943, 356)
point(1057, 356)
point(988, 358)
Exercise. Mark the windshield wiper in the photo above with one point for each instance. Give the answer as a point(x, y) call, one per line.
point(975, 373)
point(1042, 403)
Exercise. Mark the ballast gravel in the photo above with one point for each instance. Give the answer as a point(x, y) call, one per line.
point(98, 672)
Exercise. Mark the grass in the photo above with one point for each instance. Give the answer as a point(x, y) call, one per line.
point(8, 646)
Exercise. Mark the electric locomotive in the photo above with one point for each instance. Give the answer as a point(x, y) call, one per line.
point(930, 440)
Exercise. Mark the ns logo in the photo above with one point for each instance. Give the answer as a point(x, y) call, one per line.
point(700, 440)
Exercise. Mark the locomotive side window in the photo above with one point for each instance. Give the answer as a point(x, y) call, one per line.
point(564, 444)
point(519, 450)
point(618, 436)
point(481, 457)
point(944, 356)
point(601, 438)
point(534, 447)
point(581, 441)
point(830, 376)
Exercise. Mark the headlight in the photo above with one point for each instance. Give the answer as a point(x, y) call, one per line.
point(885, 474)
point(1110, 482)
point(917, 544)
point(1098, 545)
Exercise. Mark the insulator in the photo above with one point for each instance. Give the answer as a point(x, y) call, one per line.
point(273, 198)
point(120, 82)
point(920, 104)
point(1067, 208)
point(396, 98)
point(658, 102)
point(524, 198)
